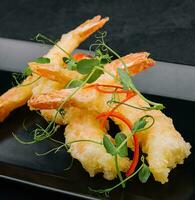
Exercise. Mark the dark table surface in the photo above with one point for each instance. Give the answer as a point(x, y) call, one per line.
point(166, 29)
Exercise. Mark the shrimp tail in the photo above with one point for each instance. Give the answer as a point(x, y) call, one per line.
point(90, 26)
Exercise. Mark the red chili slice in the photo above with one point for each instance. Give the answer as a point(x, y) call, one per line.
point(129, 94)
point(112, 113)
point(135, 139)
point(79, 56)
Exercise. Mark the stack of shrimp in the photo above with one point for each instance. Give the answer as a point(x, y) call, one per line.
point(164, 146)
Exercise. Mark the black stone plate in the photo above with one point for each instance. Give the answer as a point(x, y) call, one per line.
point(19, 163)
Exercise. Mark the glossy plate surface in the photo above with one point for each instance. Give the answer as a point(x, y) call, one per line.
point(19, 163)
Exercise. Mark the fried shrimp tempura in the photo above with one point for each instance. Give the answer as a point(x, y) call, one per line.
point(93, 157)
point(162, 143)
point(102, 162)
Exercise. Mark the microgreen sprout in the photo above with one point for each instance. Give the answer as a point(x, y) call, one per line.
point(66, 145)
point(40, 133)
point(124, 76)
point(112, 149)
point(42, 60)
point(19, 77)
point(42, 38)
point(127, 83)
point(129, 105)
point(55, 150)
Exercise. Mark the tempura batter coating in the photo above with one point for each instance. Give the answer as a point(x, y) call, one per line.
point(162, 143)
point(93, 157)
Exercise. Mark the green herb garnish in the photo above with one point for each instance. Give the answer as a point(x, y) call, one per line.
point(42, 60)
point(127, 83)
point(125, 80)
point(144, 173)
point(140, 124)
point(124, 76)
point(27, 72)
point(112, 149)
point(19, 77)
point(85, 66)
point(119, 138)
point(42, 38)
point(71, 63)
point(109, 146)
point(96, 74)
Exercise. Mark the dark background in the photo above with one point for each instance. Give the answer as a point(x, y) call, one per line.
point(165, 28)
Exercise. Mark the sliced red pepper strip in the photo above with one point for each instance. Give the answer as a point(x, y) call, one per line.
point(79, 56)
point(135, 156)
point(135, 139)
point(129, 94)
point(112, 113)
point(116, 115)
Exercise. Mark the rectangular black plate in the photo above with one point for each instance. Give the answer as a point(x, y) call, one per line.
point(18, 162)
